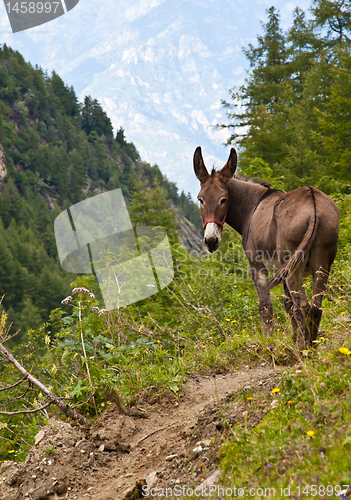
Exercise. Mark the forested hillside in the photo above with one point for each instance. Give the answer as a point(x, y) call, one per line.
point(291, 118)
point(54, 152)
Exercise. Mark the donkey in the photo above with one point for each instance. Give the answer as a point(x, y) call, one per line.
point(295, 232)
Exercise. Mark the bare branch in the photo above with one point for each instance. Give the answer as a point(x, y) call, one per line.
point(26, 411)
point(13, 385)
point(67, 410)
point(20, 396)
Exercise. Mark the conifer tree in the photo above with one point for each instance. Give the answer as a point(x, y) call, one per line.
point(335, 17)
point(95, 118)
point(149, 208)
point(303, 48)
point(267, 61)
point(265, 84)
point(334, 119)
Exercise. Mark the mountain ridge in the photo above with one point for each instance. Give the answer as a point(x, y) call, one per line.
point(54, 153)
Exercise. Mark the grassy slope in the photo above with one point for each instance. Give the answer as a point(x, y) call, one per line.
point(212, 324)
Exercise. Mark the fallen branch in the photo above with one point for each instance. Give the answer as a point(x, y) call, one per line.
point(53, 399)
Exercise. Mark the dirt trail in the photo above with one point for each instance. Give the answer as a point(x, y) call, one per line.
point(161, 442)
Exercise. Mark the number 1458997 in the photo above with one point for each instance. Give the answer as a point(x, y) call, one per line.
point(33, 7)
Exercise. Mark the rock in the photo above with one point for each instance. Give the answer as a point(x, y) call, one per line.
point(204, 443)
point(60, 487)
point(171, 457)
point(210, 480)
point(189, 236)
point(39, 436)
point(274, 403)
point(10, 472)
point(151, 479)
point(3, 165)
point(137, 413)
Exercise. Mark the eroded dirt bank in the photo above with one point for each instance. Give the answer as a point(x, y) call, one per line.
point(161, 442)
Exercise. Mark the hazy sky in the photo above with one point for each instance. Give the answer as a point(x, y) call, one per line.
point(159, 67)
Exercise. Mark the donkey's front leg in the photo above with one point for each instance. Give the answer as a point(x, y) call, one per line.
point(260, 278)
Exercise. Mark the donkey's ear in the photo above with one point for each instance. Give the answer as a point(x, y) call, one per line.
point(199, 166)
point(229, 168)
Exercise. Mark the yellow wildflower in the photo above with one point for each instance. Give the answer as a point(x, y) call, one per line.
point(275, 390)
point(310, 433)
point(344, 350)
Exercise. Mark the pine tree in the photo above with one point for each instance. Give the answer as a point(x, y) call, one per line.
point(266, 83)
point(335, 17)
point(95, 118)
point(303, 48)
point(66, 96)
point(149, 208)
point(268, 64)
point(335, 118)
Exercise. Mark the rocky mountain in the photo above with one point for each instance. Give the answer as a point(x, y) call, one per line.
point(159, 68)
point(55, 153)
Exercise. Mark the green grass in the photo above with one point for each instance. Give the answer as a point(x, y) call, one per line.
point(208, 322)
point(279, 451)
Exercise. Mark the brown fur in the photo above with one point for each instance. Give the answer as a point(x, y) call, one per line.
point(296, 231)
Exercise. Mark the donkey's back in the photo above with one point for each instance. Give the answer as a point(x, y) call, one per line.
point(304, 222)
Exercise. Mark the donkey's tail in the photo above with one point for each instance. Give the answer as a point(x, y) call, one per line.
point(299, 254)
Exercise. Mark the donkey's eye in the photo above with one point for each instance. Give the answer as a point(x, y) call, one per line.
point(223, 200)
point(201, 201)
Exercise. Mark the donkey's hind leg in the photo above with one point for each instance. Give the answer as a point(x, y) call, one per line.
point(320, 280)
point(289, 307)
point(300, 308)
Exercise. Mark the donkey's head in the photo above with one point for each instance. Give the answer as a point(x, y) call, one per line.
point(213, 196)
